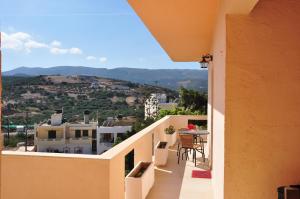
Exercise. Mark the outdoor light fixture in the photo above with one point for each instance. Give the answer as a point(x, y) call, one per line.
point(205, 60)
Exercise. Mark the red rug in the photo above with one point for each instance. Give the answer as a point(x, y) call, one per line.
point(201, 174)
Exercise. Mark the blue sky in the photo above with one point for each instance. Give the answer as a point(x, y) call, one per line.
point(95, 33)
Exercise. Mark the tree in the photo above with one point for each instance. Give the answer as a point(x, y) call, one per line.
point(193, 100)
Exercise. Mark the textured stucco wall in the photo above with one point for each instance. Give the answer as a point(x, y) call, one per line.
point(218, 103)
point(262, 127)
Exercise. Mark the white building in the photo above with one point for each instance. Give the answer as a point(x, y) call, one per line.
point(156, 102)
point(107, 134)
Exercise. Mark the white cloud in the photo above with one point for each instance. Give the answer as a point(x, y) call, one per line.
point(56, 43)
point(61, 51)
point(103, 59)
point(24, 42)
point(90, 58)
point(20, 36)
point(75, 51)
point(20, 41)
point(14, 41)
point(34, 44)
point(58, 51)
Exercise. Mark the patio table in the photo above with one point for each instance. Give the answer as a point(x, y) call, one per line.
point(194, 132)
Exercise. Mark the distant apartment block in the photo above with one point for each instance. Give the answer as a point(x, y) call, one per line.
point(81, 138)
point(156, 102)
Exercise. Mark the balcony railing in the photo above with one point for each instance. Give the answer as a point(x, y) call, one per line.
point(109, 167)
point(50, 139)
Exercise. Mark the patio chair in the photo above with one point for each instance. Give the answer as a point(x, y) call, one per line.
point(187, 143)
point(200, 141)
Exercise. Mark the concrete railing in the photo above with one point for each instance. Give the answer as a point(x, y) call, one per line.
point(60, 176)
point(143, 144)
point(50, 139)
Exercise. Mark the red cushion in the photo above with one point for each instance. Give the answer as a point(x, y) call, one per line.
point(201, 174)
point(191, 126)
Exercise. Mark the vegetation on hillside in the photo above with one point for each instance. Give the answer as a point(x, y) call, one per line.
point(191, 102)
point(169, 78)
point(42, 95)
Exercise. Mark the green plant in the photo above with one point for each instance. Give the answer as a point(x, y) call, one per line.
point(170, 130)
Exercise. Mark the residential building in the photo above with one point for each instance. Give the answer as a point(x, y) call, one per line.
point(156, 102)
point(82, 137)
point(108, 132)
point(253, 110)
point(64, 137)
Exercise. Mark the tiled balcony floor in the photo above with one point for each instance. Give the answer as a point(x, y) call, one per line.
point(175, 181)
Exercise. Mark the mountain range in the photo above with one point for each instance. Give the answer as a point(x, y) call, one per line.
point(169, 78)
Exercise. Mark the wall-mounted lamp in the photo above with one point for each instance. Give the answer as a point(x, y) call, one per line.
point(205, 60)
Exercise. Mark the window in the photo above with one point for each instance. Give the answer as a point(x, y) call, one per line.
point(107, 137)
point(77, 133)
point(51, 134)
point(94, 133)
point(85, 133)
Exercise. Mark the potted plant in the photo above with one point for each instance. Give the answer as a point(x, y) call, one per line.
point(170, 135)
point(139, 181)
point(161, 153)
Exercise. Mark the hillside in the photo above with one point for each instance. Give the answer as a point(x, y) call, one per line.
point(169, 78)
point(41, 95)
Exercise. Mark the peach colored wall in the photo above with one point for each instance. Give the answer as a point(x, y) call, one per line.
point(142, 145)
point(181, 121)
point(142, 152)
point(49, 175)
point(36, 177)
point(218, 103)
point(183, 28)
point(262, 100)
point(1, 136)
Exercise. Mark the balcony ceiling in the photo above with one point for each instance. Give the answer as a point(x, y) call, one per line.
point(184, 28)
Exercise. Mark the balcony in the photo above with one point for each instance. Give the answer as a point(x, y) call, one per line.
point(80, 140)
point(175, 181)
point(171, 181)
point(50, 140)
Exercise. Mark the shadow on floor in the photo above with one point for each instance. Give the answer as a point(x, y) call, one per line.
point(168, 179)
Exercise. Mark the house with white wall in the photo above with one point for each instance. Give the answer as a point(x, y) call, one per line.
point(82, 137)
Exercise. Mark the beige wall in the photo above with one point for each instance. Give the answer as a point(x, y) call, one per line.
point(218, 103)
point(31, 175)
point(43, 132)
point(142, 145)
point(142, 152)
point(262, 100)
point(45, 177)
